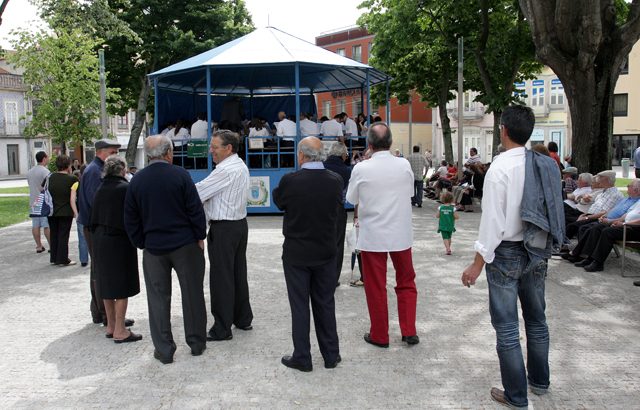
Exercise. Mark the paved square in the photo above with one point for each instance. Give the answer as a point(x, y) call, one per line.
point(54, 357)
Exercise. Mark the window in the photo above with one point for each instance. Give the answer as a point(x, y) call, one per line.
point(340, 52)
point(537, 93)
point(557, 92)
point(11, 117)
point(369, 49)
point(123, 122)
point(356, 53)
point(357, 107)
point(326, 109)
point(519, 90)
point(620, 102)
point(625, 66)
point(468, 101)
point(342, 106)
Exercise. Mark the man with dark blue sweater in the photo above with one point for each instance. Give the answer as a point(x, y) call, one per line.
point(164, 216)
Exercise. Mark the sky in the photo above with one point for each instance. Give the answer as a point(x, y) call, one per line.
point(305, 19)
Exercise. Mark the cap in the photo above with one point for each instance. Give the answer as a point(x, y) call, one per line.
point(570, 170)
point(608, 174)
point(100, 144)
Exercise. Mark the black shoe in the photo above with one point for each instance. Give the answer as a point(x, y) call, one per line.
point(84, 264)
point(249, 327)
point(636, 283)
point(583, 263)
point(129, 322)
point(574, 259)
point(289, 362)
point(212, 337)
point(594, 266)
point(332, 365)
point(129, 339)
point(162, 359)
point(411, 340)
point(367, 338)
point(566, 255)
point(198, 351)
point(419, 205)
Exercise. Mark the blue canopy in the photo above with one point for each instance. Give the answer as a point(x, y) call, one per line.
point(262, 63)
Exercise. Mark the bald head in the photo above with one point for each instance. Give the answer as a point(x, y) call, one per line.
point(158, 146)
point(310, 149)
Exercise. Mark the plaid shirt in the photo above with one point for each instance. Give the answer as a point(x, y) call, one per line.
point(418, 163)
point(570, 185)
point(606, 201)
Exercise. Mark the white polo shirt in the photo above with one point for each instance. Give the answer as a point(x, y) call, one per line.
point(331, 128)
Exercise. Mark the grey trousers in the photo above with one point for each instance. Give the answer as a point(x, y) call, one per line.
point(188, 263)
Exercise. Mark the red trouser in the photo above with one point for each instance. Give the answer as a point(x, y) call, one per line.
point(374, 265)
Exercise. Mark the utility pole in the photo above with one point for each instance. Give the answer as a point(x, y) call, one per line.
point(460, 103)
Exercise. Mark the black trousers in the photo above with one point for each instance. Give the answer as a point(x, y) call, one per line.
point(315, 283)
point(188, 263)
point(227, 247)
point(60, 227)
point(609, 235)
point(574, 227)
point(570, 214)
point(97, 303)
point(342, 231)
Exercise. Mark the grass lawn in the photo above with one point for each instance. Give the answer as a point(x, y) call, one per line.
point(13, 210)
point(623, 182)
point(18, 190)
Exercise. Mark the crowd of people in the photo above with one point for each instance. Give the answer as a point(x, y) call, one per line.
point(524, 220)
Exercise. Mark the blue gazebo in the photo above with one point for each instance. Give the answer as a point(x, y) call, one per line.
point(270, 70)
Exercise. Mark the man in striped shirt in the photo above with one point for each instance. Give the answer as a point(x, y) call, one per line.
point(224, 196)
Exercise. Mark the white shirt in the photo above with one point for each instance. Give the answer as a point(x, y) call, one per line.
point(443, 171)
point(576, 194)
point(308, 127)
point(225, 191)
point(351, 127)
point(286, 128)
point(633, 214)
point(180, 138)
point(501, 200)
point(331, 128)
point(199, 130)
point(382, 188)
point(263, 132)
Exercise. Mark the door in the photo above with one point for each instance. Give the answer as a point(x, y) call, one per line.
point(13, 159)
point(11, 117)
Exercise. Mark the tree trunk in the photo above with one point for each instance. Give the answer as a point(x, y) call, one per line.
point(496, 133)
point(138, 123)
point(443, 98)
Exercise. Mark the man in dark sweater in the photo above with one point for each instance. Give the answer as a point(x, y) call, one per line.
point(335, 162)
point(164, 216)
point(310, 199)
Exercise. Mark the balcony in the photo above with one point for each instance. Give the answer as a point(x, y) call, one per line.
point(541, 110)
point(12, 82)
point(476, 113)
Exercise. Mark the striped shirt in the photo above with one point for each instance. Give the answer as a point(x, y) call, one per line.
point(606, 201)
point(417, 163)
point(225, 191)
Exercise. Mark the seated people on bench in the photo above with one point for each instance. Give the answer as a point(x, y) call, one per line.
point(199, 128)
point(287, 131)
point(179, 135)
point(332, 128)
point(307, 126)
point(257, 128)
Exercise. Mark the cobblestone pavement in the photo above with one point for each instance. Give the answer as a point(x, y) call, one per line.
point(54, 357)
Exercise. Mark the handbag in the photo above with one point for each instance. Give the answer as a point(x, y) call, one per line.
point(43, 205)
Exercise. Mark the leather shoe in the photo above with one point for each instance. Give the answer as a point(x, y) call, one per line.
point(367, 338)
point(594, 266)
point(162, 359)
point(583, 263)
point(332, 365)
point(289, 362)
point(566, 255)
point(198, 351)
point(249, 327)
point(636, 283)
point(574, 258)
point(498, 396)
point(411, 340)
point(131, 338)
point(212, 337)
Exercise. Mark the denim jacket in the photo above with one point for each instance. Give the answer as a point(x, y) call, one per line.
point(542, 209)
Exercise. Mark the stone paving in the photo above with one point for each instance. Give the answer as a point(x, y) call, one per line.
point(54, 357)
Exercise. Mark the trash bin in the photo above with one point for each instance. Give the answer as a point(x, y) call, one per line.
point(625, 167)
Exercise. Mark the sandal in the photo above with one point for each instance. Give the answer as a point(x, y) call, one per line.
point(448, 253)
point(356, 283)
point(41, 250)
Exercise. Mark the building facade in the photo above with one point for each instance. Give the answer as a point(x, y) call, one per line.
point(626, 109)
point(411, 123)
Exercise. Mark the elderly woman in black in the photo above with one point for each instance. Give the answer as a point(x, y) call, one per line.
point(115, 259)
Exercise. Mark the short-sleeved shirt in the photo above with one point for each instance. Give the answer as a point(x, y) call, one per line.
point(447, 219)
point(418, 163)
point(35, 177)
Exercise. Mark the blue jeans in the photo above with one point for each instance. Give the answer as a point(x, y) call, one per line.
point(418, 192)
point(83, 250)
point(510, 278)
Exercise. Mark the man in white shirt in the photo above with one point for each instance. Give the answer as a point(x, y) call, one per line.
point(509, 273)
point(199, 128)
point(382, 188)
point(332, 128)
point(224, 195)
point(573, 198)
point(35, 178)
point(286, 128)
point(350, 127)
point(308, 127)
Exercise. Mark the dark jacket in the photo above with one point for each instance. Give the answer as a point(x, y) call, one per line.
point(91, 179)
point(542, 209)
point(310, 199)
point(60, 190)
point(163, 211)
point(109, 213)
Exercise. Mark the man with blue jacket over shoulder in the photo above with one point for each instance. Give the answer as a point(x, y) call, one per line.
point(522, 221)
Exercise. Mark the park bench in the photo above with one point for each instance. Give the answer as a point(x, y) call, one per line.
point(625, 245)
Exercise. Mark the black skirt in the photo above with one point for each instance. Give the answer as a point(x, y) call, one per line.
point(115, 262)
